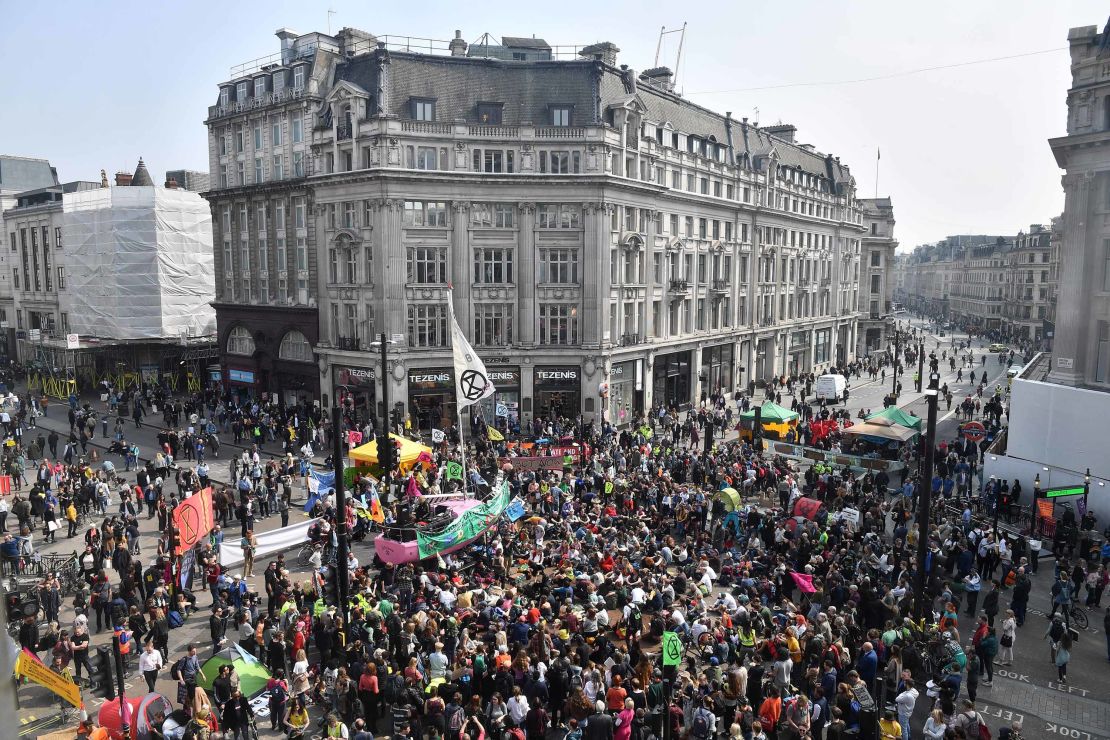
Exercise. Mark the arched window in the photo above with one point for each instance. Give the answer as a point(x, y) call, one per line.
point(240, 342)
point(295, 347)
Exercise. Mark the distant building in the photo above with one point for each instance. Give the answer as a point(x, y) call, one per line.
point(876, 280)
point(193, 180)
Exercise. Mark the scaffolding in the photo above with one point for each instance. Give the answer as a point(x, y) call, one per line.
point(58, 370)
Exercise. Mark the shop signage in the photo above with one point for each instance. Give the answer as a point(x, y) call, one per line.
point(505, 378)
point(431, 379)
point(622, 370)
point(974, 431)
point(240, 376)
point(354, 376)
point(505, 360)
point(813, 454)
point(1065, 491)
point(557, 376)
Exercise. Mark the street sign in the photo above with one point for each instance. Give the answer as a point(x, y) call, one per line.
point(974, 431)
point(73, 341)
point(672, 649)
point(1063, 491)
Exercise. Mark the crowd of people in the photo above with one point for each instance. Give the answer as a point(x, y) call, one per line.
point(553, 623)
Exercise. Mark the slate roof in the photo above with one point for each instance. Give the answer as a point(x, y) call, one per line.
point(458, 83)
point(18, 174)
point(521, 42)
point(142, 177)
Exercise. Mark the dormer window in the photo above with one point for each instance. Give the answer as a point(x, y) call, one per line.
point(241, 92)
point(423, 109)
point(561, 115)
point(225, 96)
point(490, 113)
point(279, 81)
point(298, 77)
point(260, 87)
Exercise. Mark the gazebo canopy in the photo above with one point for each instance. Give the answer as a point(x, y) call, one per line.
point(410, 452)
point(898, 416)
point(770, 412)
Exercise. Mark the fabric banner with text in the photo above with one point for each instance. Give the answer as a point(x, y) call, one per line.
point(194, 519)
point(285, 538)
point(468, 526)
point(33, 669)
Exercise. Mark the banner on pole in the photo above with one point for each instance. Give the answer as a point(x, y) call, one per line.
point(194, 518)
point(285, 538)
point(454, 471)
point(33, 670)
point(672, 649)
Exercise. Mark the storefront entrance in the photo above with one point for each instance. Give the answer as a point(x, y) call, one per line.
point(716, 369)
point(557, 391)
point(432, 399)
point(671, 380)
point(626, 393)
point(358, 384)
point(502, 409)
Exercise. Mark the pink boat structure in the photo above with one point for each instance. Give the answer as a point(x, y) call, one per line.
point(469, 520)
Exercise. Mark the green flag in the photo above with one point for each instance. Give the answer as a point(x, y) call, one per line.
point(608, 486)
point(454, 471)
point(672, 649)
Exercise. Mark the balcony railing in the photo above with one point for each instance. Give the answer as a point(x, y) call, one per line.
point(767, 321)
point(826, 282)
point(680, 286)
point(629, 340)
point(343, 131)
point(720, 285)
point(347, 343)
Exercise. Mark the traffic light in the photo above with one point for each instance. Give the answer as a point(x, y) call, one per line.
point(104, 678)
point(395, 456)
point(385, 453)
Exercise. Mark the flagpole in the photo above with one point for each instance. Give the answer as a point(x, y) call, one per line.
point(878, 156)
point(458, 405)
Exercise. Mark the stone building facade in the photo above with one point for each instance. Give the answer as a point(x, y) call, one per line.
point(1081, 346)
point(876, 285)
point(609, 246)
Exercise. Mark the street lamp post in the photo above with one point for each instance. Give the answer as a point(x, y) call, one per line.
point(995, 498)
point(1086, 489)
point(897, 352)
point(1036, 508)
point(342, 574)
point(924, 512)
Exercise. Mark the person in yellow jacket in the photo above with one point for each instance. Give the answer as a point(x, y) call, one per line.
point(71, 517)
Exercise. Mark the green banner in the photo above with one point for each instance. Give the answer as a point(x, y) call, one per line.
point(466, 527)
point(454, 471)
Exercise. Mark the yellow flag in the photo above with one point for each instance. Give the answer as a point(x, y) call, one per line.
point(494, 435)
point(376, 512)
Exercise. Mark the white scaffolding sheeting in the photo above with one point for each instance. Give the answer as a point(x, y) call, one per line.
point(138, 263)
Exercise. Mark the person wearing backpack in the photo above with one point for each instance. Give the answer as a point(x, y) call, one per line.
point(703, 724)
point(972, 722)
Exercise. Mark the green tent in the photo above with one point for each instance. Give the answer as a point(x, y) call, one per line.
point(252, 674)
point(898, 416)
point(770, 413)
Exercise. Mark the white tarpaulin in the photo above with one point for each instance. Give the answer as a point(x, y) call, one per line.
point(138, 262)
point(265, 543)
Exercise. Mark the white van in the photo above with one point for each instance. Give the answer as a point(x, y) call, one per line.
point(831, 388)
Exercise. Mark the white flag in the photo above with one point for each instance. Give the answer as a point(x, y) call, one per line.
point(472, 382)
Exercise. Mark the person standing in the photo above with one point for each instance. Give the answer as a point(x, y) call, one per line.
point(1063, 657)
point(150, 662)
point(1006, 640)
point(248, 545)
point(905, 702)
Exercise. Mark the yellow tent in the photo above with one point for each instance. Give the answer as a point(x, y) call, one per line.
point(411, 452)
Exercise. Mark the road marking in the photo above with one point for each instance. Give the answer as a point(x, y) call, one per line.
point(1004, 714)
point(1011, 674)
point(1067, 688)
point(1059, 729)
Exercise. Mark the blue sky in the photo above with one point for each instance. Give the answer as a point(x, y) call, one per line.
point(96, 85)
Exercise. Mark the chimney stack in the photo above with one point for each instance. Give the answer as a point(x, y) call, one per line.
point(604, 51)
point(123, 179)
point(287, 36)
point(457, 45)
point(784, 131)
